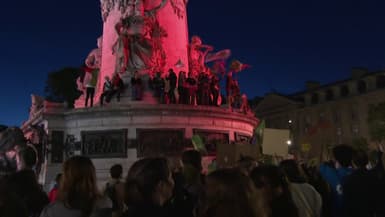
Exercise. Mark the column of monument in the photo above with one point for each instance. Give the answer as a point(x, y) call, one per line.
point(167, 35)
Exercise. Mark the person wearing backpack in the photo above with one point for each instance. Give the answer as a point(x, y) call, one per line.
point(114, 189)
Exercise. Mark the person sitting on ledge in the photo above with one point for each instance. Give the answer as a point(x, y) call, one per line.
point(107, 90)
point(157, 84)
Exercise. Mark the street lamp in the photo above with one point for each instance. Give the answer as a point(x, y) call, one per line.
point(288, 142)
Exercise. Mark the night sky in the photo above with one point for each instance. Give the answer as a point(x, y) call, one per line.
point(286, 42)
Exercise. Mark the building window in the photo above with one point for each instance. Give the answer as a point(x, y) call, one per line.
point(339, 131)
point(307, 123)
point(336, 117)
point(355, 129)
point(300, 99)
point(329, 95)
point(361, 86)
point(314, 98)
point(380, 81)
point(354, 115)
point(344, 90)
point(321, 116)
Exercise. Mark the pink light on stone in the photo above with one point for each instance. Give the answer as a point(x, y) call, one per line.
point(172, 17)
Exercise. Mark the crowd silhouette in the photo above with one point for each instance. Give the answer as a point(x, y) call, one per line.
point(173, 187)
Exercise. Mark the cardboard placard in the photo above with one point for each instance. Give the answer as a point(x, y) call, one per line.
point(275, 142)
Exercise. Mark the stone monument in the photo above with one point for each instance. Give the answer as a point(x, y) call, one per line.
point(145, 37)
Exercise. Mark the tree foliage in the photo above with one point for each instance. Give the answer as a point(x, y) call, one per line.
point(61, 86)
point(360, 144)
point(376, 122)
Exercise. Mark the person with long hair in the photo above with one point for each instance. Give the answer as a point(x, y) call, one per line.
point(149, 185)
point(305, 196)
point(230, 193)
point(275, 189)
point(78, 194)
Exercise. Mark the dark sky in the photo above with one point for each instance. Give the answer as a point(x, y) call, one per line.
point(286, 42)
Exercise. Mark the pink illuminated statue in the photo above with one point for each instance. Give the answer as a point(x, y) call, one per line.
point(199, 55)
point(126, 7)
point(156, 33)
point(133, 51)
point(138, 45)
point(93, 62)
point(94, 58)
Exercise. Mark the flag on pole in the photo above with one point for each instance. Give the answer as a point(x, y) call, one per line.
point(237, 66)
point(198, 144)
point(259, 131)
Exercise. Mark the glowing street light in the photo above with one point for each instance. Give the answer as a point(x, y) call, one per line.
point(288, 142)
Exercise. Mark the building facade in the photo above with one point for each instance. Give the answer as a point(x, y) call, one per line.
point(323, 116)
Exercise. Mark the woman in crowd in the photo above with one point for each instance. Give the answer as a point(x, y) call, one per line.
point(275, 189)
point(149, 185)
point(52, 194)
point(305, 197)
point(230, 193)
point(78, 195)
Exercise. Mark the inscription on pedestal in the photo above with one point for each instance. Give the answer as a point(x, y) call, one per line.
point(104, 144)
point(156, 142)
point(212, 138)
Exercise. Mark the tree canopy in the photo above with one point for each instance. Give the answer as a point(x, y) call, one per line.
point(376, 122)
point(61, 86)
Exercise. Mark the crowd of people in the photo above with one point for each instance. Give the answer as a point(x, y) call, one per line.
point(162, 187)
point(201, 89)
point(188, 89)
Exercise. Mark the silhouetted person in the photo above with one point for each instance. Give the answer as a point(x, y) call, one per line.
point(357, 186)
point(137, 86)
point(173, 79)
point(78, 194)
point(107, 90)
point(114, 189)
point(148, 187)
point(335, 176)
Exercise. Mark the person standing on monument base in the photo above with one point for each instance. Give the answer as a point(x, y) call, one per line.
point(173, 79)
point(191, 85)
point(181, 88)
point(137, 86)
point(90, 80)
point(107, 90)
point(117, 85)
point(92, 68)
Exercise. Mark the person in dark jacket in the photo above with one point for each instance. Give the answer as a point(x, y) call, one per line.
point(357, 186)
point(148, 187)
point(21, 179)
point(173, 79)
point(273, 184)
point(10, 204)
point(378, 173)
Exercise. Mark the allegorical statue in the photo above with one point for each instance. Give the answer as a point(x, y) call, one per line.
point(37, 103)
point(88, 82)
point(139, 37)
point(133, 51)
point(94, 58)
point(199, 55)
